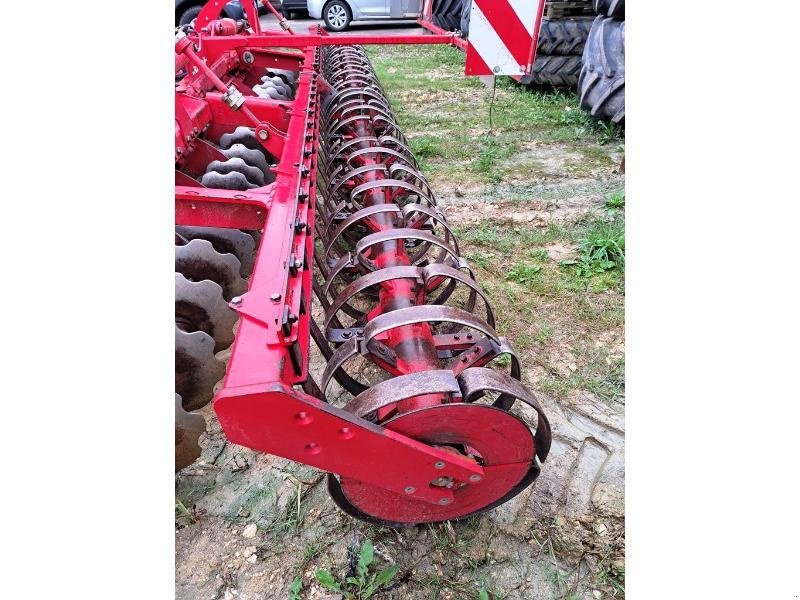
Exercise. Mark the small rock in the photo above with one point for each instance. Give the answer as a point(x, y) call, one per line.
point(600, 529)
point(250, 531)
point(597, 594)
point(252, 558)
point(249, 550)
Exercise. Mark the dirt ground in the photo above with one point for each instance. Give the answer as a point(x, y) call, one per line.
point(527, 200)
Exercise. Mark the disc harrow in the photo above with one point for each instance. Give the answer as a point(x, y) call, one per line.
point(303, 212)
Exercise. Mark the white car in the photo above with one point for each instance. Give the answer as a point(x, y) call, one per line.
point(338, 14)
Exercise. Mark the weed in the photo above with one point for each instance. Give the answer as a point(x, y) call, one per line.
point(523, 273)
point(483, 594)
point(602, 249)
point(616, 200)
point(362, 584)
point(294, 589)
point(182, 511)
point(615, 577)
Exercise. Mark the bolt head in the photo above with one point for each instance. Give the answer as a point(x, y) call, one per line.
point(439, 465)
point(475, 477)
point(236, 300)
point(275, 297)
point(410, 489)
point(263, 134)
point(444, 501)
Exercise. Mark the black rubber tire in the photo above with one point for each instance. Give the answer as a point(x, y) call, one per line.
point(447, 14)
point(563, 37)
point(466, 11)
point(601, 86)
point(610, 8)
point(556, 71)
point(346, 8)
point(287, 14)
point(189, 15)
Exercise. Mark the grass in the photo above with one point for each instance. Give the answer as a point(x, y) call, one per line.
point(446, 116)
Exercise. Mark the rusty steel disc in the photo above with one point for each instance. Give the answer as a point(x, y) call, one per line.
point(498, 441)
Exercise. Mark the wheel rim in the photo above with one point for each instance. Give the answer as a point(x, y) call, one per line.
point(337, 16)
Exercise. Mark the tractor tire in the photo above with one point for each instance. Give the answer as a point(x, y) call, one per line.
point(189, 15)
point(563, 37)
point(601, 86)
point(447, 14)
point(466, 10)
point(610, 8)
point(555, 71)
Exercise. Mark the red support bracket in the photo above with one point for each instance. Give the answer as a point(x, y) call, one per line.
point(274, 418)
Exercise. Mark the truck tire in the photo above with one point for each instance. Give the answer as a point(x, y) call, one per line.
point(610, 8)
point(563, 37)
point(556, 71)
point(601, 86)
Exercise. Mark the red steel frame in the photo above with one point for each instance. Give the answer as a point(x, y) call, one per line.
point(259, 405)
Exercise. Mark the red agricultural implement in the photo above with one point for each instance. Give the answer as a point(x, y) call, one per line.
point(301, 214)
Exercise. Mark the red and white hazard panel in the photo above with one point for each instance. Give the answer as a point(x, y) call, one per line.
point(502, 36)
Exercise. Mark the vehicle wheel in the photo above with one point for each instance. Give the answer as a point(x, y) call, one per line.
point(556, 71)
point(610, 8)
point(337, 16)
point(447, 14)
point(466, 9)
point(601, 87)
point(189, 15)
point(563, 36)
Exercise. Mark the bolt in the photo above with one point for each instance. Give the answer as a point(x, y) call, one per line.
point(410, 490)
point(275, 297)
point(347, 334)
point(263, 134)
point(248, 58)
point(236, 300)
point(475, 477)
point(496, 69)
point(439, 465)
point(444, 501)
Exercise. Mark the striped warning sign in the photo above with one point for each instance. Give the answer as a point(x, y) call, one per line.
point(502, 36)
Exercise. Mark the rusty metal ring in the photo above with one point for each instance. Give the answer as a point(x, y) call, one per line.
point(366, 281)
point(475, 381)
point(426, 313)
point(354, 218)
point(435, 381)
point(404, 234)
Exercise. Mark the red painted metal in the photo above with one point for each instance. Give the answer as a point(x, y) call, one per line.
point(456, 41)
point(260, 405)
point(257, 406)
